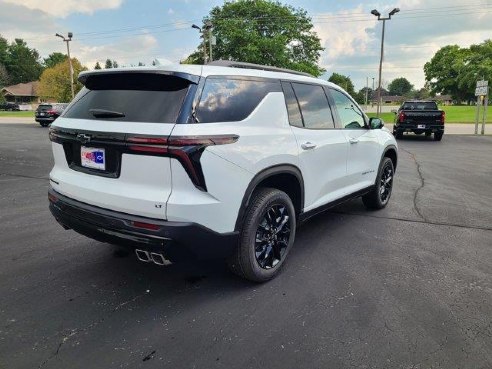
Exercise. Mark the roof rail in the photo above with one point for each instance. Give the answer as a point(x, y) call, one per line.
point(236, 64)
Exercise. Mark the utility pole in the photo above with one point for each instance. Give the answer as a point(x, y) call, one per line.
point(367, 91)
point(384, 19)
point(67, 40)
point(372, 94)
point(208, 27)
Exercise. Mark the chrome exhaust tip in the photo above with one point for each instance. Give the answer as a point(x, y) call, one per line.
point(143, 255)
point(159, 259)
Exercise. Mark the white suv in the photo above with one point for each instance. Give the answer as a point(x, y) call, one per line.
point(221, 160)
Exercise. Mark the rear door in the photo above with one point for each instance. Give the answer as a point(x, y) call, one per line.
point(322, 147)
point(110, 144)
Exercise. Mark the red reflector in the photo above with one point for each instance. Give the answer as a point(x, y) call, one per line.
point(150, 226)
point(443, 115)
point(52, 198)
point(148, 140)
point(153, 149)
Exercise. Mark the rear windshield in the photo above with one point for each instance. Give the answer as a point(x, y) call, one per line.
point(44, 107)
point(136, 97)
point(426, 105)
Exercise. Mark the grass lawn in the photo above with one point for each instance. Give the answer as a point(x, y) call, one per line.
point(454, 114)
point(20, 114)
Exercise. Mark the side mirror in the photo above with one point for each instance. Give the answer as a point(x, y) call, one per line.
point(394, 111)
point(376, 123)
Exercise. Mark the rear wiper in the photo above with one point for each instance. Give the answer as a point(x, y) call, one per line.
point(102, 113)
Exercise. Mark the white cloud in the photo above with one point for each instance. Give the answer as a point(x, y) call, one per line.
point(62, 8)
point(123, 51)
point(170, 11)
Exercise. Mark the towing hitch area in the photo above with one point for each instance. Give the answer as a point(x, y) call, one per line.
point(151, 257)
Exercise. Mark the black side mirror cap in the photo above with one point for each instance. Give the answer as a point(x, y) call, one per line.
point(376, 123)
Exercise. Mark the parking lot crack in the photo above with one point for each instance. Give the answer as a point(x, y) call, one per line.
point(75, 331)
point(422, 184)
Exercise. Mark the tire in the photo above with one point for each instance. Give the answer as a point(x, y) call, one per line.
point(44, 124)
point(438, 136)
point(398, 134)
point(379, 197)
point(260, 261)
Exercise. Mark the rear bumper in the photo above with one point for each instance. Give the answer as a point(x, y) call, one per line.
point(403, 127)
point(44, 119)
point(176, 240)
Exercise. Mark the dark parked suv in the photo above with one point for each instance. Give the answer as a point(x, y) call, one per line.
point(9, 106)
point(47, 113)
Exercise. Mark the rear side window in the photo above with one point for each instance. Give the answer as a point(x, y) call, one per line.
point(315, 110)
point(139, 97)
point(226, 99)
point(295, 118)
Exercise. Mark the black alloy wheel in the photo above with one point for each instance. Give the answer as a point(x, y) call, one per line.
point(272, 236)
point(386, 183)
point(380, 194)
point(267, 234)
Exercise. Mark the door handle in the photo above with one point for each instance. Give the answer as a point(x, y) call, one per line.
point(353, 140)
point(308, 146)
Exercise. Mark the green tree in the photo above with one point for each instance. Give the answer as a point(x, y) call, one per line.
point(115, 64)
point(4, 77)
point(442, 72)
point(55, 82)
point(22, 62)
point(478, 65)
point(97, 66)
point(400, 87)
point(4, 50)
point(263, 32)
point(54, 59)
point(344, 82)
point(108, 64)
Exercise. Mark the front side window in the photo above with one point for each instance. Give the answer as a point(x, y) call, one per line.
point(351, 117)
point(316, 112)
point(228, 99)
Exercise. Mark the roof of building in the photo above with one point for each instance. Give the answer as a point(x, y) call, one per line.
point(22, 89)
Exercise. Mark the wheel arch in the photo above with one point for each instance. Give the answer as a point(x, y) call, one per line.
point(285, 177)
point(392, 153)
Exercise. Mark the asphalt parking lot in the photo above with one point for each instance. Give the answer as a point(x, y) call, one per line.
point(406, 287)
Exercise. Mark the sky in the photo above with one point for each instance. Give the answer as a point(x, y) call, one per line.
point(132, 31)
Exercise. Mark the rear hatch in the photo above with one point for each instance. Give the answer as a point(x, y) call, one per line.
point(423, 117)
point(108, 143)
point(43, 110)
point(421, 113)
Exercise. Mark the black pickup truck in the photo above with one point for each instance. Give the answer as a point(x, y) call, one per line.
point(419, 117)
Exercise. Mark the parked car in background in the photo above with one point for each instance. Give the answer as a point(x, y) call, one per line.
point(47, 113)
point(419, 117)
point(10, 106)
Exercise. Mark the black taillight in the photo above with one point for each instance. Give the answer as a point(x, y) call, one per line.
point(443, 116)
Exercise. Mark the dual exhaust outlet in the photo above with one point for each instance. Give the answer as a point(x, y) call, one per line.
point(151, 257)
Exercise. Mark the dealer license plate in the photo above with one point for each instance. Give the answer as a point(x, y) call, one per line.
point(91, 157)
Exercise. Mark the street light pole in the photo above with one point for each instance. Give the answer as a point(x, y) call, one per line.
point(204, 42)
point(67, 40)
point(384, 19)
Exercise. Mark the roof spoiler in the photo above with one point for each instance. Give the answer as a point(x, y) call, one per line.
point(187, 76)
